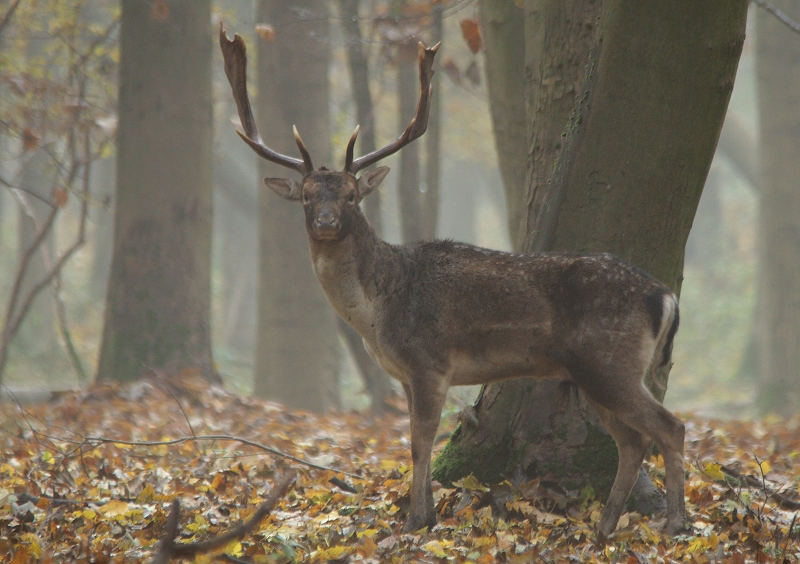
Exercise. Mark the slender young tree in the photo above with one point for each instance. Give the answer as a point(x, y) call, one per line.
point(297, 358)
point(779, 273)
point(631, 164)
point(158, 299)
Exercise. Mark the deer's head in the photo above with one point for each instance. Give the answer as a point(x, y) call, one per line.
point(330, 199)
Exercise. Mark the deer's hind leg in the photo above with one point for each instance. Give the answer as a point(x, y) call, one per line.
point(651, 418)
point(632, 447)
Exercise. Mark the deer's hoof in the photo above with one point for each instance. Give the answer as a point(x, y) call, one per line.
point(676, 527)
point(416, 522)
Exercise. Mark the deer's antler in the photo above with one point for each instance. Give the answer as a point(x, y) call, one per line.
point(235, 56)
point(415, 128)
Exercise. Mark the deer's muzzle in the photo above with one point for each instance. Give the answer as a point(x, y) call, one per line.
point(327, 225)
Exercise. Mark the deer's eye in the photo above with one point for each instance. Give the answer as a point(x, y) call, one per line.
point(305, 198)
point(351, 198)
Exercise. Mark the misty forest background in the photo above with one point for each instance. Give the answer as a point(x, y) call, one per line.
point(60, 111)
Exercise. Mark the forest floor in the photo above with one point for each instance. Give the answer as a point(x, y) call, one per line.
point(91, 477)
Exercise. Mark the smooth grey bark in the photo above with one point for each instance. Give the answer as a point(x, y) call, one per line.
point(297, 358)
point(358, 65)
point(408, 174)
point(433, 139)
point(36, 337)
point(503, 30)
point(627, 180)
point(377, 382)
point(778, 338)
point(104, 188)
point(157, 313)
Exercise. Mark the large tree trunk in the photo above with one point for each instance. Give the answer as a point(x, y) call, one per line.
point(298, 347)
point(628, 179)
point(159, 293)
point(779, 273)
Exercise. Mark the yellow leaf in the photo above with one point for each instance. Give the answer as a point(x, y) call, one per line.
point(714, 471)
point(435, 548)
point(114, 508)
point(89, 514)
point(765, 467)
point(332, 553)
point(234, 549)
point(34, 547)
point(471, 483)
point(369, 533)
point(146, 495)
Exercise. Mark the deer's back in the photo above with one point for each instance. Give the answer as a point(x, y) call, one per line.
point(509, 314)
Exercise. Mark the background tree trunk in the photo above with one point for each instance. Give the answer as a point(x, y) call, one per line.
point(408, 177)
point(377, 382)
point(778, 342)
point(297, 358)
point(158, 303)
point(433, 139)
point(628, 180)
point(503, 30)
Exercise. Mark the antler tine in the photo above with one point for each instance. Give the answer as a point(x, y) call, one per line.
point(235, 55)
point(418, 124)
point(303, 150)
point(348, 156)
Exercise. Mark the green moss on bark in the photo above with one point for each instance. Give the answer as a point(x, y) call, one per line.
point(458, 459)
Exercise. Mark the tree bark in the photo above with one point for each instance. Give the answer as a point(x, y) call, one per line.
point(297, 358)
point(627, 180)
point(365, 111)
point(503, 30)
point(408, 177)
point(778, 341)
point(158, 303)
point(378, 383)
point(433, 140)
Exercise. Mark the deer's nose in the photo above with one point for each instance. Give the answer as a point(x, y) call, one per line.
point(327, 221)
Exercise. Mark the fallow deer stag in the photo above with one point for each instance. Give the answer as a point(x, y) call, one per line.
point(437, 314)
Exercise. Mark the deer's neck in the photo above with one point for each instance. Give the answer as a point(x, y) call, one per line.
point(357, 273)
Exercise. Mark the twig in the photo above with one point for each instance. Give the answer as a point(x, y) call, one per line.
point(240, 530)
point(781, 499)
point(8, 14)
point(103, 440)
point(778, 13)
point(168, 386)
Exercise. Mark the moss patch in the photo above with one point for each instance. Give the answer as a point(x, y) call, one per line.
point(488, 463)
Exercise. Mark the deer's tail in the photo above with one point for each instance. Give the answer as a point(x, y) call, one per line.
point(669, 326)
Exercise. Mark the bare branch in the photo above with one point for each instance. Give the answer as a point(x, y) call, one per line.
point(778, 13)
point(103, 440)
point(7, 16)
point(240, 530)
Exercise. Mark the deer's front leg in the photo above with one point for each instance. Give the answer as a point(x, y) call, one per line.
point(426, 400)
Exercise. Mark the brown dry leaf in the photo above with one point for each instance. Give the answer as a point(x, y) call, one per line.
point(266, 32)
point(159, 11)
point(472, 34)
point(451, 69)
point(60, 197)
point(30, 142)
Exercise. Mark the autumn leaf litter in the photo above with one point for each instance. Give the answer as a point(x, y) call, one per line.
point(66, 498)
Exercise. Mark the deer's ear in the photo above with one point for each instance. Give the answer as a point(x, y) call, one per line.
point(285, 188)
point(371, 180)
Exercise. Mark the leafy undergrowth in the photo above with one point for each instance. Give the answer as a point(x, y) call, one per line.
point(68, 494)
